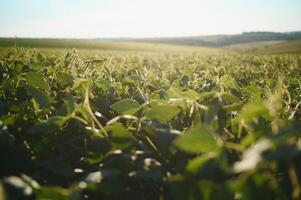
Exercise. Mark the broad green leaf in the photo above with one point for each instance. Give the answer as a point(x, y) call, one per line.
point(229, 97)
point(37, 67)
point(120, 136)
point(198, 139)
point(129, 81)
point(104, 85)
point(282, 153)
point(229, 82)
point(254, 109)
point(51, 124)
point(195, 164)
point(36, 79)
point(7, 119)
point(211, 190)
point(191, 94)
point(286, 132)
point(126, 106)
point(252, 90)
point(58, 167)
point(97, 145)
point(162, 136)
point(83, 111)
point(208, 95)
point(68, 107)
point(64, 78)
point(162, 113)
point(42, 99)
point(53, 192)
point(8, 85)
point(232, 107)
point(158, 94)
point(174, 93)
point(119, 132)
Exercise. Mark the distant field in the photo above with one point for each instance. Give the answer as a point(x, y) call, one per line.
point(93, 46)
point(252, 46)
point(102, 45)
point(267, 47)
point(284, 47)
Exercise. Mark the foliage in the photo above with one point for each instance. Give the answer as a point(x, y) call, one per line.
point(146, 126)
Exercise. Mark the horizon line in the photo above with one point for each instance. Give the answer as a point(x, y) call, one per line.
point(155, 37)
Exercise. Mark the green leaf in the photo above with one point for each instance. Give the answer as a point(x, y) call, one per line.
point(174, 93)
point(119, 132)
point(191, 94)
point(195, 164)
point(120, 136)
point(40, 97)
point(162, 137)
point(254, 109)
point(286, 132)
point(198, 139)
point(64, 78)
point(126, 106)
point(36, 79)
point(229, 82)
point(252, 90)
point(51, 124)
point(282, 153)
point(104, 85)
point(37, 67)
point(58, 167)
point(53, 192)
point(68, 107)
point(162, 113)
point(211, 190)
point(83, 111)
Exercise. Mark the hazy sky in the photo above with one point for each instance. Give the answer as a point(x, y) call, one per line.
point(145, 18)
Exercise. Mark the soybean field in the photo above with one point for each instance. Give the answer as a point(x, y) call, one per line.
point(79, 124)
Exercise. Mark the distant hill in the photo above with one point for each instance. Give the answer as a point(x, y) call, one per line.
point(225, 40)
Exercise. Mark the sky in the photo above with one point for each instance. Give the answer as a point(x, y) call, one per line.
point(145, 18)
